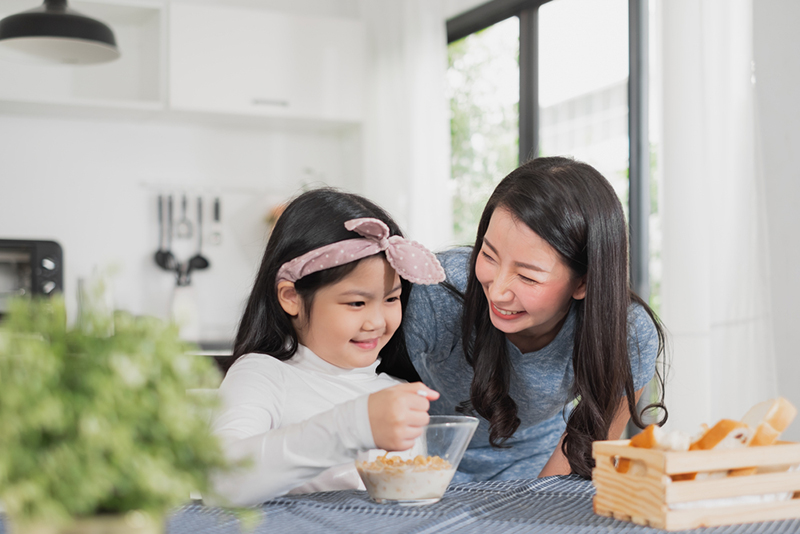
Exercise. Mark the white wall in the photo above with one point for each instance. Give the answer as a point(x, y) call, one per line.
point(91, 185)
point(777, 71)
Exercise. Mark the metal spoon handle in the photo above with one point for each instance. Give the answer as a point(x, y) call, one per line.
point(160, 223)
point(169, 221)
point(199, 224)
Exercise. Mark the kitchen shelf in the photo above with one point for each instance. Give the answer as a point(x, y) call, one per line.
point(135, 81)
point(194, 63)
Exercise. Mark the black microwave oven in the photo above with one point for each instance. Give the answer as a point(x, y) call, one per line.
point(29, 267)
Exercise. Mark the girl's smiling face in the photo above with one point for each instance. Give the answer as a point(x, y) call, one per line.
point(351, 320)
point(528, 286)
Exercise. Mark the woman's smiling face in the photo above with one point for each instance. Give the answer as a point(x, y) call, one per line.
point(528, 286)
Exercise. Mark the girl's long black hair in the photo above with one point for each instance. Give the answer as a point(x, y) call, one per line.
point(312, 220)
point(572, 207)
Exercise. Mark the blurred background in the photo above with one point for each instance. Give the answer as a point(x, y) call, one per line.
point(216, 112)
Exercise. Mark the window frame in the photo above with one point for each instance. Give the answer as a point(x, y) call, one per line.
point(527, 11)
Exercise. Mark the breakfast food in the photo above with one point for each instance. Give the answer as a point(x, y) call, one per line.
point(761, 425)
point(390, 478)
point(726, 434)
point(768, 420)
point(653, 437)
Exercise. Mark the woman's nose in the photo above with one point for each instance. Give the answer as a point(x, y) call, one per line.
point(499, 289)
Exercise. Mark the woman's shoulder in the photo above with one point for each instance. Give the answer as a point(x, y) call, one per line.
point(433, 316)
point(455, 262)
point(640, 322)
point(439, 299)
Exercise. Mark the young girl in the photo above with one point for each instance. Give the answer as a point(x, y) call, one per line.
point(313, 378)
point(538, 331)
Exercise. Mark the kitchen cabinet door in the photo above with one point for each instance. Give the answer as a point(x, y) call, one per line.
point(258, 62)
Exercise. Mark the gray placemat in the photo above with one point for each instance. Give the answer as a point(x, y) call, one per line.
point(558, 505)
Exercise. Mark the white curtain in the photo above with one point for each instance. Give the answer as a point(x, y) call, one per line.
point(715, 288)
point(406, 131)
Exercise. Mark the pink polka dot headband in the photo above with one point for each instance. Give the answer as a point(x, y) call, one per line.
point(411, 260)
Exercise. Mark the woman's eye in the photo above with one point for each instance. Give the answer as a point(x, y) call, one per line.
point(527, 280)
point(486, 256)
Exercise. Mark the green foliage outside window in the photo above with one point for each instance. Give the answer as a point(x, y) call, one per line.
point(483, 79)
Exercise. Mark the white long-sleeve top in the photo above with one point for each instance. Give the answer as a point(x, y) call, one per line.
point(301, 422)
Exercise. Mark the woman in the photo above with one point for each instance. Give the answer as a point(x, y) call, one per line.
point(536, 329)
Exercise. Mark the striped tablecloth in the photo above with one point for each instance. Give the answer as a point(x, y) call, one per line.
point(550, 505)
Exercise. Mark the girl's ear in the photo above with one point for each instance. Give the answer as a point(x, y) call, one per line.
point(288, 298)
point(580, 290)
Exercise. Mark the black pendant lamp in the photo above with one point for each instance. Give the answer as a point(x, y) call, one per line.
point(54, 33)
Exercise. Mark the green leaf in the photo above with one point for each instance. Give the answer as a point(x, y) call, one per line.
point(96, 418)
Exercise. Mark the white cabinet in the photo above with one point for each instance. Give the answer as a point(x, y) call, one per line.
point(255, 62)
point(134, 81)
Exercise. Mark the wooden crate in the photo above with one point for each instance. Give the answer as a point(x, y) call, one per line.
point(647, 495)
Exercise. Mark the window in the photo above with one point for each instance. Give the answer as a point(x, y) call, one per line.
point(575, 96)
point(483, 79)
point(582, 91)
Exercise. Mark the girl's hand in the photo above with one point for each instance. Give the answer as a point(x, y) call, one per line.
point(397, 415)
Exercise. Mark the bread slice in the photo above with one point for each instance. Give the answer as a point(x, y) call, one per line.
point(768, 419)
point(726, 434)
point(653, 437)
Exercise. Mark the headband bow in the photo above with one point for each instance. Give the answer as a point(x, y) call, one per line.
point(411, 260)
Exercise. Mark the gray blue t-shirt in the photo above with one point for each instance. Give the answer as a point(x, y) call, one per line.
point(541, 381)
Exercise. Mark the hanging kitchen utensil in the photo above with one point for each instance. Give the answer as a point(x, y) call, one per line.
point(215, 236)
point(182, 274)
point(184, 228)
point(163, 256)
point(198, 261)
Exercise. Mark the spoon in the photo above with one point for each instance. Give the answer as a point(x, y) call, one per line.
point(163, 256)
point(184, 229)
point(215, 237)
point(198, 262)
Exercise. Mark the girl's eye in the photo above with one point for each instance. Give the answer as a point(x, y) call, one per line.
point(393, 299)
point(358, 304)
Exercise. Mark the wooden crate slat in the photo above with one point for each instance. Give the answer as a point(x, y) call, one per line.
point(694, 461)
point(651, 457)
point(731, 515)
point(694, 490)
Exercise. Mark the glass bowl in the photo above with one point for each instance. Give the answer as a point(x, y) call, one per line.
point(421, 474)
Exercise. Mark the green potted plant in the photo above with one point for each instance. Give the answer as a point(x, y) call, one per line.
point(96, 427)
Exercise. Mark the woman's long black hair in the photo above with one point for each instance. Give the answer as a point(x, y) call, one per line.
point(312, 220)
point(572, 207)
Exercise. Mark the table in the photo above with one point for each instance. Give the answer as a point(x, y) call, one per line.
point(558, 505)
